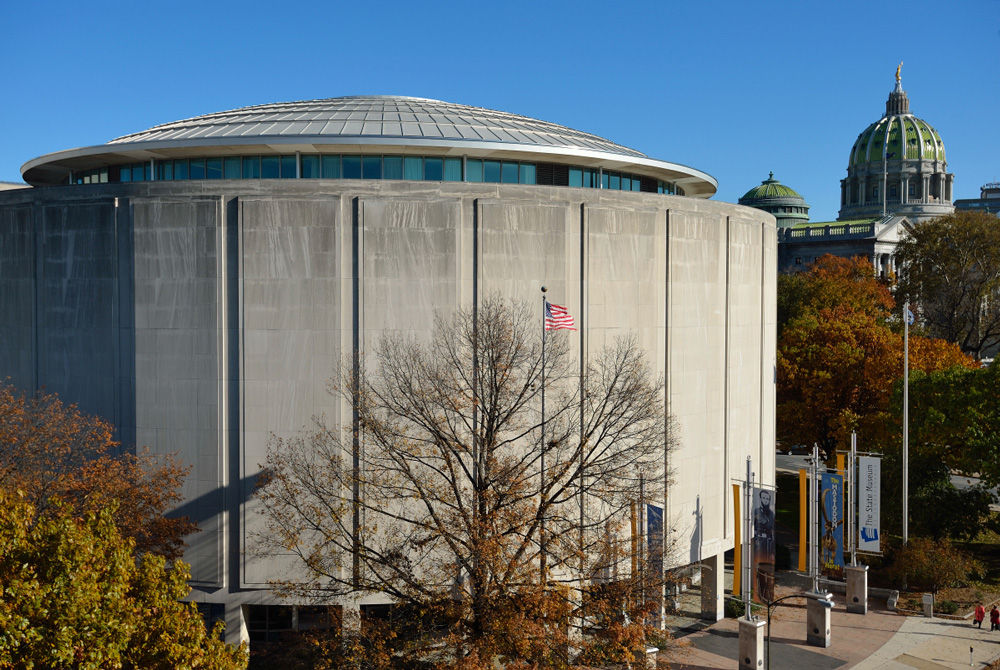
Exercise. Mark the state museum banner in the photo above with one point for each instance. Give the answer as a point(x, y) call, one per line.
point(869, 493)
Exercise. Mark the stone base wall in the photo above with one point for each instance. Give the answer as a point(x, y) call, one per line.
point(201, 317)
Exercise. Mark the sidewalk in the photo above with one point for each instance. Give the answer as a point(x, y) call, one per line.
point(880, 639)
point(935, 643)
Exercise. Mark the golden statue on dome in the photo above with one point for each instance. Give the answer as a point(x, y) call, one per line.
point(898, 68)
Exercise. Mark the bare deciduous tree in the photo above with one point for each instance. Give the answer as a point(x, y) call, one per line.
point(444, 494)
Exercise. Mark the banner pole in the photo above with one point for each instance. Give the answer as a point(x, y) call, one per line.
point(748, 531)
point(814, 520)
point(906, 422)
point(852, 495)
point(803, 523)
point(541, 466)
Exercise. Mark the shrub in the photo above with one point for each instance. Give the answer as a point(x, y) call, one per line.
point(932, 564)
point(734, 608)
point(947, 607)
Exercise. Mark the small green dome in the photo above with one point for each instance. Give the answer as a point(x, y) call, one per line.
point(769, 188)
point(788, 207)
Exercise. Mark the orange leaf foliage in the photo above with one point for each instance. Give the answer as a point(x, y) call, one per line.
point(838, 356)
point(50, 450)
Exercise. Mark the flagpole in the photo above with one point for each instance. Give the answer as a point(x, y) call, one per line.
point(906, 422)
point(541, 482)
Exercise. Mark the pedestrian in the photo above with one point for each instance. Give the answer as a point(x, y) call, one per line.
point(994, 619)
point(977, 618)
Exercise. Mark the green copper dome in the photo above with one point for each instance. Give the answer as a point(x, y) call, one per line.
point(769, 188)
point(897, 136)
point(788, 207)
point(897, 166)
point(909, 138)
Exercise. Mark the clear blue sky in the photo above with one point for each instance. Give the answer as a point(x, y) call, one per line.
point(732, 88)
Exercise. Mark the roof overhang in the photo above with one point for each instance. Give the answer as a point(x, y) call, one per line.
point(54, 168)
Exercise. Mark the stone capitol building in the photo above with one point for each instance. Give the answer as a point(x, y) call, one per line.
point(897, 176)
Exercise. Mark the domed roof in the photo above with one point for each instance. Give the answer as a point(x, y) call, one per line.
point(769, 189)
point(788, 207)
point(381, 116)
point(922, 142)
point(898, 135)
point(368, 124)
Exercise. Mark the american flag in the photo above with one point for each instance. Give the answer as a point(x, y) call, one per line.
point(557, 317)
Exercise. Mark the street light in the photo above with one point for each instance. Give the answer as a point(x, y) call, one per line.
point(824, 599)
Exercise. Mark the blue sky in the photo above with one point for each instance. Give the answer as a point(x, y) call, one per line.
point(732, 88)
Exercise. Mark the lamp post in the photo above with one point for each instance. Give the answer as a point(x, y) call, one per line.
point(826, 600)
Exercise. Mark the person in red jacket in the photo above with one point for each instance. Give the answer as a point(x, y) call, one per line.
point(977, 618)
point(994, 618)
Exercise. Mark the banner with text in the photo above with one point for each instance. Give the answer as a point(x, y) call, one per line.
point(832, 526)
point(869, 493)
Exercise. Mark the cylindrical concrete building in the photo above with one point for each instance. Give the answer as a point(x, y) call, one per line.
point(197, 283)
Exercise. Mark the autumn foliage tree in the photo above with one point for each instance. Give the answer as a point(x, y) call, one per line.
point(840, 351)
point(74, 595)
point(50, 452)
point(445, 497)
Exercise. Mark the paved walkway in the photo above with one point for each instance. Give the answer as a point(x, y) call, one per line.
point(934, 644)
point(879, 639)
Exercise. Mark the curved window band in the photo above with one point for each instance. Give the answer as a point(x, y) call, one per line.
point(356, 166)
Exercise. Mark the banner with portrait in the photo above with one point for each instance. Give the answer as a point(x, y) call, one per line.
point(654, 540)
point(763, 544)
point(831, 521)
point(869, 499)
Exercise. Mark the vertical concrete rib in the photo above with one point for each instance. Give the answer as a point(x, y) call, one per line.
point(115, 326)
point(230, 419)
point(357, 302)
point(725, 378)
point(666, 376)
point(476, 456)
point(760, 392)
point(584, 353)
point(123, 310)
point(37, 271)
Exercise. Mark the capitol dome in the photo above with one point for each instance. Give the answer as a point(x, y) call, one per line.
point(897, 166)
point(788, 207)
point(922, 141)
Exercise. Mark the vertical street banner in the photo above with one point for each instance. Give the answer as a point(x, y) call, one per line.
point(869, 498)
point(832, 521)
point(654, 545)
point(763, 544)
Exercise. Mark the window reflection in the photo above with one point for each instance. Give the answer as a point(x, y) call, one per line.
point(354, 166)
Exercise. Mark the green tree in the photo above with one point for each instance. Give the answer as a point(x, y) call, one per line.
point(74, 596)
point(457, 519)
point(955, 418)
point(950, 269)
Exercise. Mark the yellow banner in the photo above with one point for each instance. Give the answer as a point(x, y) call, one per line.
point(803, 485)
point(737, 544)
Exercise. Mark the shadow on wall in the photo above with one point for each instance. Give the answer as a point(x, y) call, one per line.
point(206, 506)
point(696, 535)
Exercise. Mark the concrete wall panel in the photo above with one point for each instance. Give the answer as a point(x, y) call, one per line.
point(178, 360)
point(290, 286)
point(75, 318)
point(17, 296)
